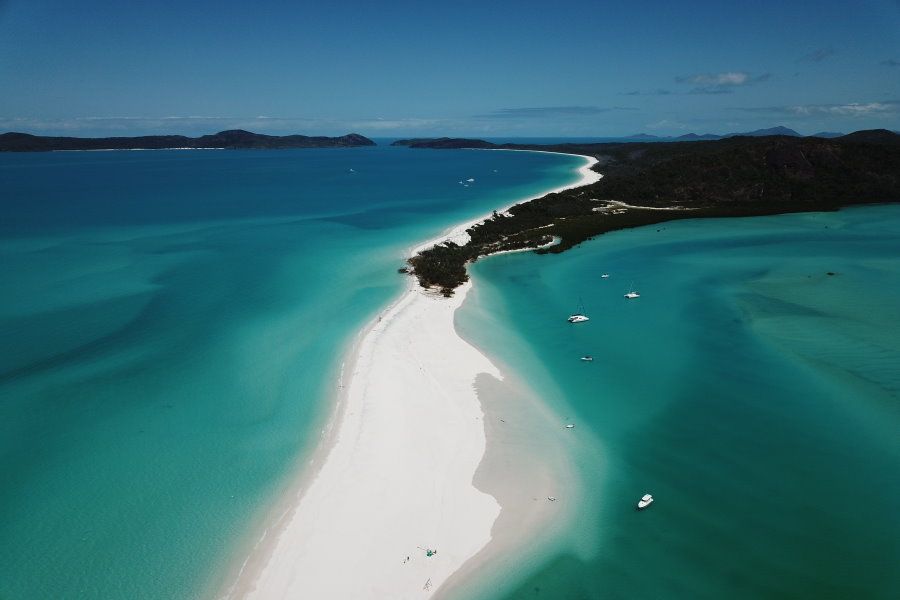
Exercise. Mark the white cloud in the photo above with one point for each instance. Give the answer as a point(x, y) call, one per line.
point(666, 124)
point(394, 124)
point(197, 124)
point(730, 78)
point(849, 109)
point(720, 83)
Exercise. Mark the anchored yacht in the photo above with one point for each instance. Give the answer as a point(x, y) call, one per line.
point(578, 317)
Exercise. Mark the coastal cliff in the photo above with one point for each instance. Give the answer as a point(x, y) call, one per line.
point(231, 139)
point(647, 183)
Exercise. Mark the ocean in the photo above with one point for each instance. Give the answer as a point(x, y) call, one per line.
point(752, 388)
point(173, 325)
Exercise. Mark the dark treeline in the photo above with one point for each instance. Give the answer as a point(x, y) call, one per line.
point(738, 176)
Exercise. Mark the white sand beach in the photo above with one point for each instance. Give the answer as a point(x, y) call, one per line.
point(399, 475)
point(398, 479)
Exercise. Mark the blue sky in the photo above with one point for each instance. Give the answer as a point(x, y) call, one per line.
point(483, 68)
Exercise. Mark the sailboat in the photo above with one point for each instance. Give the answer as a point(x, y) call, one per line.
point(578, 317)
point(631, 295)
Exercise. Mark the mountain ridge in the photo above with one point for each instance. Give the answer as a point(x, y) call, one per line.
point(231, 139)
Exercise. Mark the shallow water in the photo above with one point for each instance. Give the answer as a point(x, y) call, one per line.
point(754, 394)
point(173, 325)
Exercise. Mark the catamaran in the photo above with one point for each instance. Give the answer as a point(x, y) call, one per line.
point(579, 317)
point(631, 293)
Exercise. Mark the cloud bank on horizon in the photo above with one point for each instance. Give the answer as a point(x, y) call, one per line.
point(505, 69)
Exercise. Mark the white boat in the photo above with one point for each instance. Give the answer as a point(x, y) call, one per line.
point(587, 358)
point(631, 295)
point(578, 317)
point(645, 501)
point(570, 426)
point(604, 276)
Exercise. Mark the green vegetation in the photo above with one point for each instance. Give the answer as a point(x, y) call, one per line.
point(739, 176)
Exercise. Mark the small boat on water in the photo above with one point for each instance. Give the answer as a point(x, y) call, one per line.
point(570, 426)
point(587, 358)
point(604, 276)
point(631, 293)
point(645, 501)
point(578, 317)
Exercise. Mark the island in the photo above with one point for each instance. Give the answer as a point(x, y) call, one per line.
point(231, 140)
point(645, 183)
point(446, 142)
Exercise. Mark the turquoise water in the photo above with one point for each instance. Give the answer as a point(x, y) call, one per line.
point(173, 325)
point(752, 393)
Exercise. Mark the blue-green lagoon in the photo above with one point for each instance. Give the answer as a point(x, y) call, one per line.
point(752, 389)
point(173, 326)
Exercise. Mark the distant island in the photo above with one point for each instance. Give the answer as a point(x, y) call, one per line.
point(231, 139)
point(637, 137)
point(693, 137)
point(650, 182)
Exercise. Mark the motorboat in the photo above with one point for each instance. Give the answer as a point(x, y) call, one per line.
point(570, 425)
point(587, 358)
point(645, 501)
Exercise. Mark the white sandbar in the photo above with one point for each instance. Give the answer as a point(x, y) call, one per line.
point(398, 476)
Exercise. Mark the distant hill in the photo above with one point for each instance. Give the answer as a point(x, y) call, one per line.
point(693, 137)
point(643, 137)
point(231, 139)
point(779, 130)
point(872, 136)
point(449, 143)
point(827, 134)
point(444, 143)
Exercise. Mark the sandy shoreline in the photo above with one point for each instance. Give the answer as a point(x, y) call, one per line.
point(396, 467)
